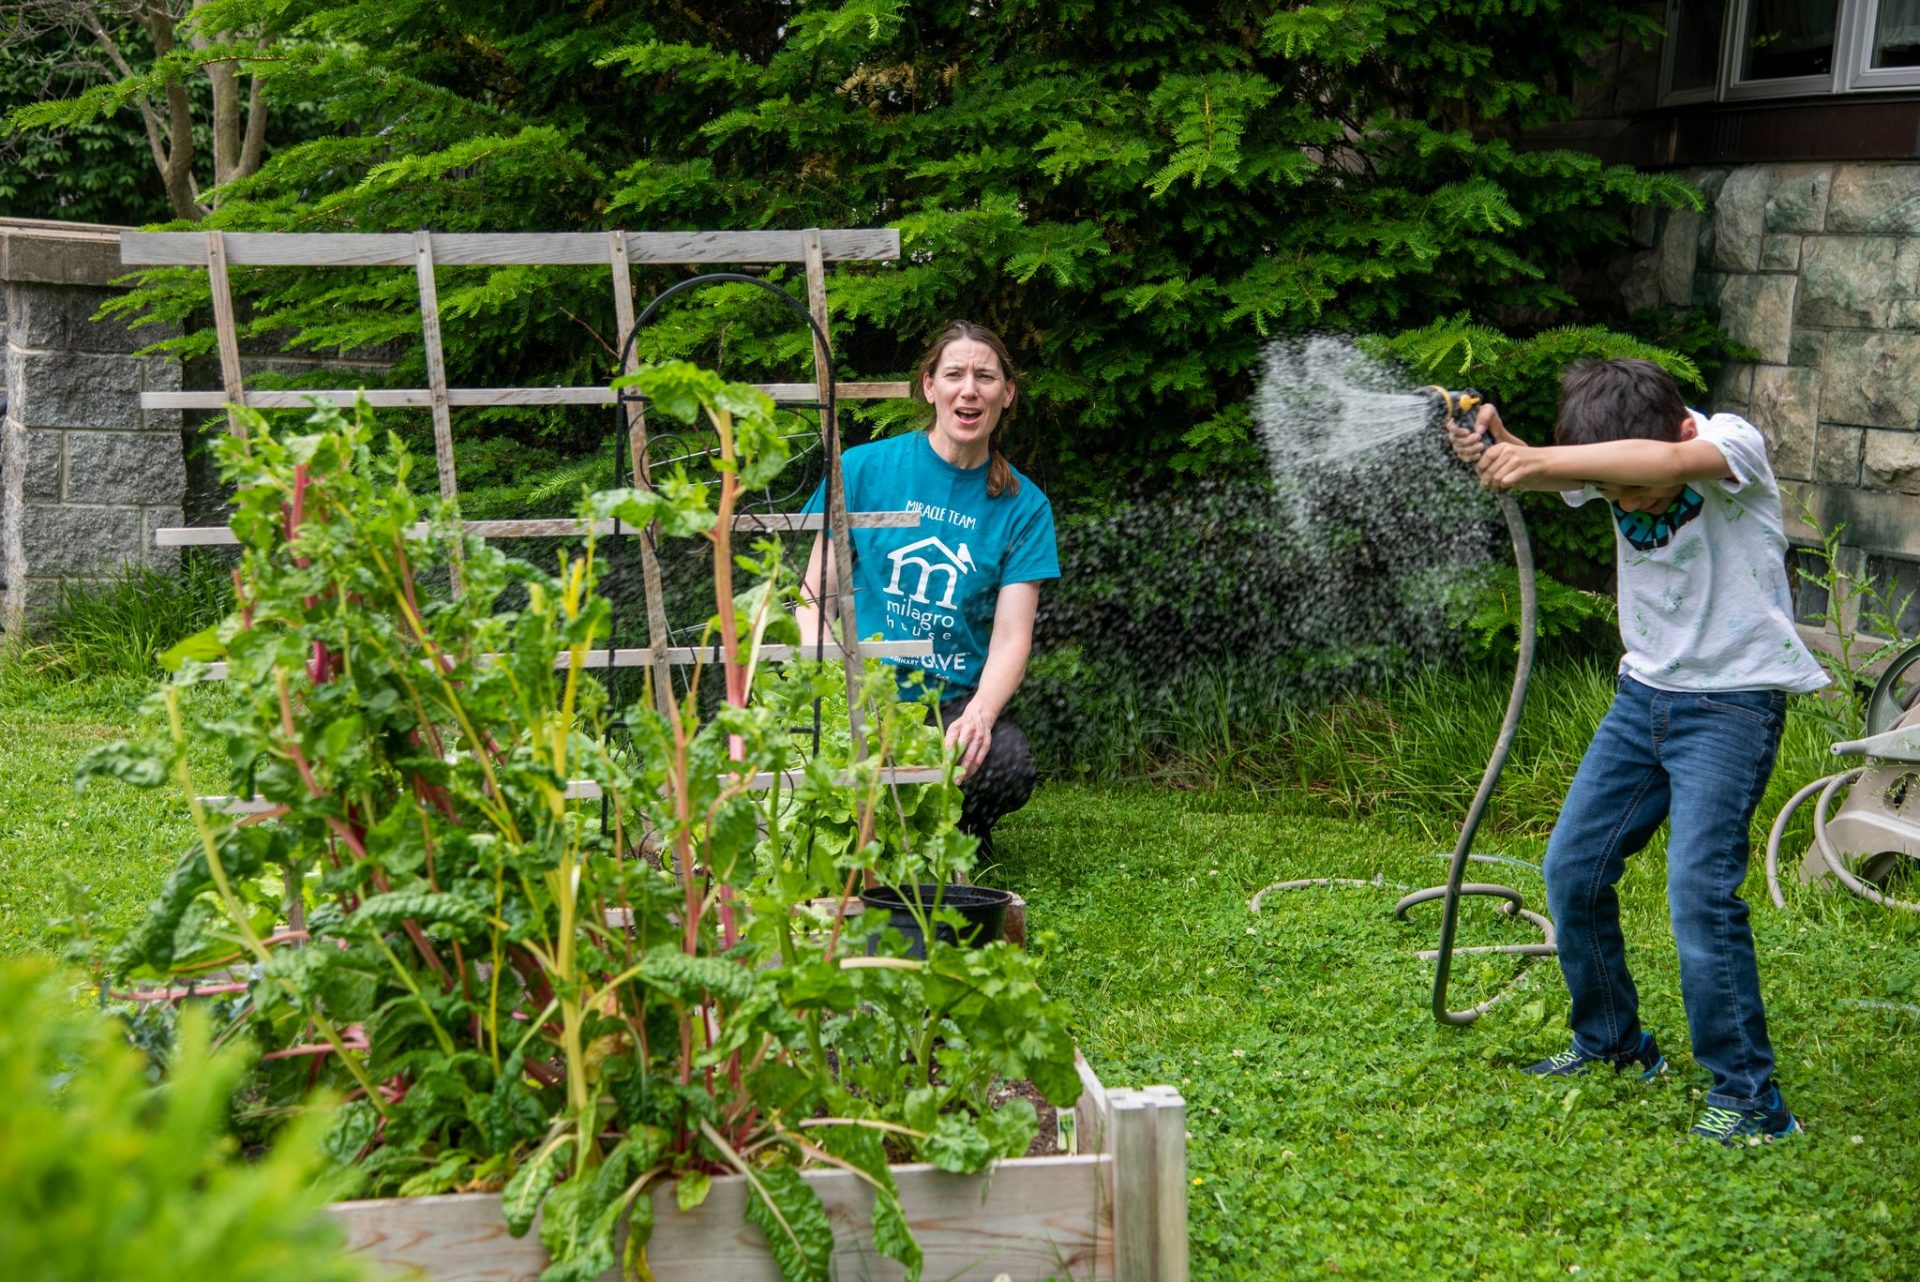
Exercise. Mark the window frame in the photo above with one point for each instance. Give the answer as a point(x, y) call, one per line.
point(1862, 75)
point(1853, 70)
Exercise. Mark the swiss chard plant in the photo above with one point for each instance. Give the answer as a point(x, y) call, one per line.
point(570, 1001)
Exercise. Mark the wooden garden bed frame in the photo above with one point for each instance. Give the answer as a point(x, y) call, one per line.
point(1114, 1207)
point(1114, 1210)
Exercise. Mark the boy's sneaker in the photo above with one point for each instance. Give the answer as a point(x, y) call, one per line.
point(1573, 1061)
point(1735, 1127)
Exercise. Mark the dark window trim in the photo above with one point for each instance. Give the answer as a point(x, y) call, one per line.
point(1883, 127)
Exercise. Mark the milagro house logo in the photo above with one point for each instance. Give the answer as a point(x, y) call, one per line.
point(931, 558)
point(920, 571)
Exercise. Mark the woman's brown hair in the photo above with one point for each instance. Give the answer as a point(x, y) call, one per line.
point(1000, 477)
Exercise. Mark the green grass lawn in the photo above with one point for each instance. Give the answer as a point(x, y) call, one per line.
point(89, 858)
point(1335, 1128)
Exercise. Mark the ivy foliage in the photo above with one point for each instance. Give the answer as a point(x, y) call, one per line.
point(1136, 195)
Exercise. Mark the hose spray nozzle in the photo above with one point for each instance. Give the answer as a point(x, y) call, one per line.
point(1459, 409)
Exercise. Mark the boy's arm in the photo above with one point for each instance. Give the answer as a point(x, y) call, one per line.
point(1511, 464)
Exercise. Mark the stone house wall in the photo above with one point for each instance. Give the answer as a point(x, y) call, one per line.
point(1816, 267)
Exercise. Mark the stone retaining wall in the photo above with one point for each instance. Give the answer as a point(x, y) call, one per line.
point(1817, 268)
point(85, 474)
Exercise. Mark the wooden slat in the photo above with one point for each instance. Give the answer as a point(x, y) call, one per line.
point(1091, 1114)
point(841, 550)
point(1170, 1182)
point(588, 790)
point(471, 397)
point(186, 536)
point(226, 335)
point(1030, 1218)
point(457, 249)
point(1135, 1248)
point(795, 522)
point(686, 656)
point(652, 587)
point(436, 364)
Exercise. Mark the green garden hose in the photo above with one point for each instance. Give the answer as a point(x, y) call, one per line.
point(1459, 409)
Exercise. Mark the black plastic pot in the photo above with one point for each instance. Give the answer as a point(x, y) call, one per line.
point(983, 912)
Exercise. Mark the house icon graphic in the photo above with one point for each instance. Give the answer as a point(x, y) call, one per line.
point(930, 557)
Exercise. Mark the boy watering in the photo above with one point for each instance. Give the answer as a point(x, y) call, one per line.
point(1711, 655)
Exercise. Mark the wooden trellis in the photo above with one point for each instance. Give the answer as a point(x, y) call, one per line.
point(618, 252)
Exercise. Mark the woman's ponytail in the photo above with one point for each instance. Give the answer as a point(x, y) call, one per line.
point(1000, 477)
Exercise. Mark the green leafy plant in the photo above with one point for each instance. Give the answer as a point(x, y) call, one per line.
point(517, 991)
point(109, 1175)
point(1490, 618)
point(1861, 615)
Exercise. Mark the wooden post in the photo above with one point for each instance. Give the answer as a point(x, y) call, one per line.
point(1135, 1241)
point(1170, 1181)
point(436, 363)
point(225, 332)
point(658, 634)
point(841, 549)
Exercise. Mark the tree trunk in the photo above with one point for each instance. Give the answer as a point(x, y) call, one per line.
point(178, 172)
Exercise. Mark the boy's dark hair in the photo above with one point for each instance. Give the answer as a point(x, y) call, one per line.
point(1618, 400)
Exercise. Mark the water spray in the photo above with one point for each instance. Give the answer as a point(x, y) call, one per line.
point(1460, 409)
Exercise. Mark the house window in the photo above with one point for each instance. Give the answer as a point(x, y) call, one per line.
point(1739, 50)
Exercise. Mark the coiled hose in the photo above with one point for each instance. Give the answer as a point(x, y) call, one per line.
point(1827, 788)
point(1460, 409)
point(1456, 886)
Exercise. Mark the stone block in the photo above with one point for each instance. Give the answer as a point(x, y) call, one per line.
point(1708, 181)
point(1857, 280)
point(125, 467)
point(1871, 380)
point(67, 389)
point(1707, 287)
point(58, 255)
point(1639, 284)
point(1644, 225)
point(40, 464)
point(1836, 455)
point(155, 518)
point(1679, 249)
point(1797, 197)
point(1807, 348)
point(1758, 312)
point(58, 540)
point(162, 375)
point(1780, 253)
point(1875, 198)
point(1732, 386)
point(1739, 219)
point(1891, 460)
point(1785, 406)
point(60, 317)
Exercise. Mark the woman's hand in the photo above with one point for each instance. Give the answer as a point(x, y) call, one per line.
point(971, 734)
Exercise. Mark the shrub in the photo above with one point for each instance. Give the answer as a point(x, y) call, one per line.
point(109, 1176)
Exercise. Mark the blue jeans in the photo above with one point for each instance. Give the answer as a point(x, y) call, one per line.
point(1703, 761)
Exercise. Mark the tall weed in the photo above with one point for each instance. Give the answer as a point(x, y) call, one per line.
point(118, 627)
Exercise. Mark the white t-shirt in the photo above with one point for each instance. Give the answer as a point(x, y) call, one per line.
point(1704, 599)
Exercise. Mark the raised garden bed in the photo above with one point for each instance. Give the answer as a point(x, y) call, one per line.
point(1114, 1206)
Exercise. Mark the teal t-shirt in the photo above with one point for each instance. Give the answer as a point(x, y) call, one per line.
point(939, 580)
